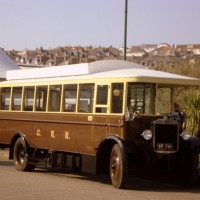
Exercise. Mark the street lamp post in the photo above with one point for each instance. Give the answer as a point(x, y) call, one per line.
point(125, 27)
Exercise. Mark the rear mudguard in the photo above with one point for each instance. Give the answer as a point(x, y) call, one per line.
point(12, 144)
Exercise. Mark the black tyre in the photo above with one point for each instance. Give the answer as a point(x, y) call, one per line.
point(189, 170)
point(118, 167)
point(21, 156)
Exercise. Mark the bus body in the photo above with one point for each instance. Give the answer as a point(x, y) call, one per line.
point(100, 117)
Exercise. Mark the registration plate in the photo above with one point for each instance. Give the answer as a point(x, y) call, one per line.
point(165, 146)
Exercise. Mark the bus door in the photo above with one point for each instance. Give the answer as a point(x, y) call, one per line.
point(101, 106)
point(69, 117)
point(40, 122)
point(84, 138)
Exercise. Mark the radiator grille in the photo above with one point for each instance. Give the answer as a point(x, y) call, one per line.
point(166, 136)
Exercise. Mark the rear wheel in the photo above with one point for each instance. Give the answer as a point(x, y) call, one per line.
point(118, 167)
point(21, 156)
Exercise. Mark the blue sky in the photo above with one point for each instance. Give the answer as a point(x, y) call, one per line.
point(34, 23)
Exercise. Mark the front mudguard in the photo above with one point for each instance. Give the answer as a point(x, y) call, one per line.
point(104, 152)
point(193, 144)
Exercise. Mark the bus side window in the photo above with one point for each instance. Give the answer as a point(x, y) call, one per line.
point(70, 97)
point(117, 97)
point(86, 98)
point(41, 98)
point(5, 98)
point(28, 98)
point(16, 98)
point(54, 98)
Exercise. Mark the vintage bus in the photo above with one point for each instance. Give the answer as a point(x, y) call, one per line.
point(100, 117)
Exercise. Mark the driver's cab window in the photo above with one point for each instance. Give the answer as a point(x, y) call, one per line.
point(141, 98)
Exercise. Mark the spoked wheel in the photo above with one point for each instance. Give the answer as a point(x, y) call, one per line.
point(118, 167)
point(21, 156)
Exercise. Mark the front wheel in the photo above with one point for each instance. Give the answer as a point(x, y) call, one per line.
point(21, 156)
point(118, 167)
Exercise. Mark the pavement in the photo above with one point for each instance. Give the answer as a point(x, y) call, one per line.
point(4, 154)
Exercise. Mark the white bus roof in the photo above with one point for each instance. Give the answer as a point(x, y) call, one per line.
point(71, 70)
point(98, 70)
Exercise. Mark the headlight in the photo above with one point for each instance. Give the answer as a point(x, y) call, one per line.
point(185, 135)
point(147, 134)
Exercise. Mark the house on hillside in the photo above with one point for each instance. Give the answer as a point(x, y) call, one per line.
point(136, 51)
point(149, 47)
point(163, 51)
point(196, 49)
point(188, 50)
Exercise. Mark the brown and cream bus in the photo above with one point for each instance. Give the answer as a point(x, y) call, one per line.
point(100, 117)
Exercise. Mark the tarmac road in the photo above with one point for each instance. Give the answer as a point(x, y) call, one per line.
point(45, 184)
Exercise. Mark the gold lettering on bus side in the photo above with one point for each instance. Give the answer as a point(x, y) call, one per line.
point(38, 133)
point(67, 135)
point(53, 134)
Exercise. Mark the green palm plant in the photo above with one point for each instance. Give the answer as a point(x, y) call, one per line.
point(190, 104)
